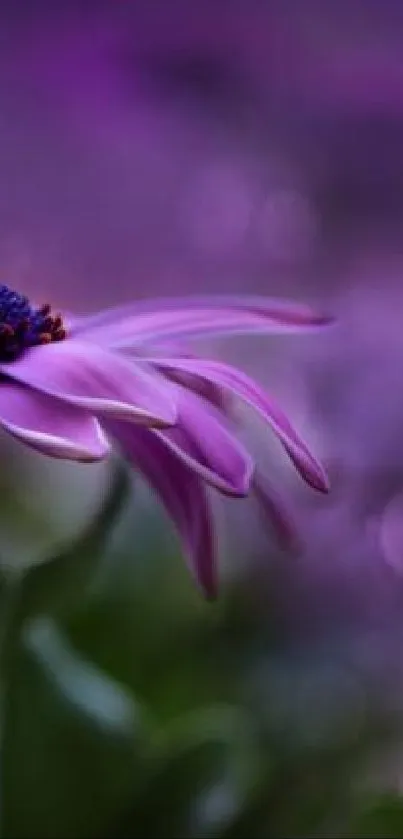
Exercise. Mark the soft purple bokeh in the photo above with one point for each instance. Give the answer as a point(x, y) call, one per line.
point(213, 147)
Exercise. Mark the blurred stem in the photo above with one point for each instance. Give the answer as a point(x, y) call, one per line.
point(38, 589)
point(10, 621)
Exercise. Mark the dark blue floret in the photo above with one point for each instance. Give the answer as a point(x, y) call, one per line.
point(23, 326)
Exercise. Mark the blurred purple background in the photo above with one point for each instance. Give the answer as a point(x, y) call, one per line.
point(152, 148)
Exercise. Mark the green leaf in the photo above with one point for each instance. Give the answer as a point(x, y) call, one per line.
point(76, 743)
point(381, 817)
point(206, 772)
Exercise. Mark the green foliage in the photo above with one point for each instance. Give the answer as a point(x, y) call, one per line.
point(132, 708)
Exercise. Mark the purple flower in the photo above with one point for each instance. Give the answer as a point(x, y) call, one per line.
point(69, 387)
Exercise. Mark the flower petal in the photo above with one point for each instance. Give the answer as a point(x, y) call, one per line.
point(95, 379)
point(247, 389)
point(51, 427)
point(276, 512)
point(182, 494)
point(202, 441)
point(130, 326)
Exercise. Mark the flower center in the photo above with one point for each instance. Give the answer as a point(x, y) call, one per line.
point(23, 326)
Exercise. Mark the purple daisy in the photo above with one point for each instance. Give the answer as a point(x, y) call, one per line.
point(70, 386)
